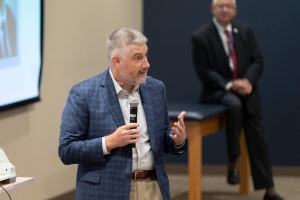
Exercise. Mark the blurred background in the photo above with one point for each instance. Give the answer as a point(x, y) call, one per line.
point(75, 35)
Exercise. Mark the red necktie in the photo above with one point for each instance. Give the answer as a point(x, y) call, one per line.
point(232, 54)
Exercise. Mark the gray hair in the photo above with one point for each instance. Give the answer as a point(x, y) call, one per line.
point(215, 1)
point(120, 39)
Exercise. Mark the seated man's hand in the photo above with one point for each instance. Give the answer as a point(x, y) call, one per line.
point(241, 87)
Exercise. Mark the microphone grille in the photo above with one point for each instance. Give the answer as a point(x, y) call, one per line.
point(133, 101)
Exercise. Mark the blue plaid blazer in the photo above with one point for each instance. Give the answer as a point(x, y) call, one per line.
point(93, 111)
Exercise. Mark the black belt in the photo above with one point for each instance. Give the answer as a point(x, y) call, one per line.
point(140, 175)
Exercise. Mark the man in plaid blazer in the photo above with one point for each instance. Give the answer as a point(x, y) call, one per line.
point(97, 135)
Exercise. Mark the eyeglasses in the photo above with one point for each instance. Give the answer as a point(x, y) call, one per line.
point(228, 6)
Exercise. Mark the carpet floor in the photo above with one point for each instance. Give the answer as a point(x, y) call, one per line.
point(215, 187)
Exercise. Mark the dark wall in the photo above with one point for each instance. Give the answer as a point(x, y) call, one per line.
point(168, 24)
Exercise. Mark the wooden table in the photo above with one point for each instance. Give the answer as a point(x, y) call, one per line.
point(20, 181)
point(202, 120)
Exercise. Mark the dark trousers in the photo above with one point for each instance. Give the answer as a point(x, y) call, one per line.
point(258, 150)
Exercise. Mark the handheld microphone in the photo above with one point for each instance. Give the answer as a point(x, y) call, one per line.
point(133, 102)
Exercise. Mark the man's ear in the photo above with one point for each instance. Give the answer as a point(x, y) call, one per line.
point(116, 60)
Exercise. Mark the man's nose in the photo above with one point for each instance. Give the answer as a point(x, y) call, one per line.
point(146, 63)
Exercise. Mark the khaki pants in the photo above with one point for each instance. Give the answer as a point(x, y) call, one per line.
point(146, 189)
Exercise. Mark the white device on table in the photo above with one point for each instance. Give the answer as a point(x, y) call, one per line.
point(7, 170)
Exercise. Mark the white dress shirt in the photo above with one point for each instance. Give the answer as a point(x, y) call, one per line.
point(223, 37)
point(142, 157)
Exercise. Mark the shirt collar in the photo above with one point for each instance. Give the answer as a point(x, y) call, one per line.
point(220, 28)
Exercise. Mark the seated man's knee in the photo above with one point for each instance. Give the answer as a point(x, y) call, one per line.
point(232, 101)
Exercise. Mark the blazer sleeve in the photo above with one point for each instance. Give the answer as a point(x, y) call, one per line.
point(255, 69)
point(169, 143)
point(74, 145)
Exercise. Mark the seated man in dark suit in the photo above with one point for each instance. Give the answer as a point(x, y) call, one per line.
point(229, 64)
point(96, 132)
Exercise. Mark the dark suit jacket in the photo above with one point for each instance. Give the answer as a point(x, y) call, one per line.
point(92, 112)
point(212, 64)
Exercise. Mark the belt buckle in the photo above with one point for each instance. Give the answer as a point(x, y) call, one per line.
point(135, 176)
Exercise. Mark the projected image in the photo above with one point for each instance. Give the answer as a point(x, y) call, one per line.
point(20, 52)
point(8, 34)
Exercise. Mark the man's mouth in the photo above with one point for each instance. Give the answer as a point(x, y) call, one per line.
point(143, 72)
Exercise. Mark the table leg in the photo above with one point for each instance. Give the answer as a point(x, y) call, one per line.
point(195, 131)
point(195, 160)
point(244, 167)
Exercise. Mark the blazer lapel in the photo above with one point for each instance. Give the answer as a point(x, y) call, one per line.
point(109, 94)
point(220, 50)
point(146, 99)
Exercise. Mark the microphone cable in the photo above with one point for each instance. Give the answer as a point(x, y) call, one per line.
point(6, 191)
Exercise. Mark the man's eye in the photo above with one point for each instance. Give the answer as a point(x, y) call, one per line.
point(137, 58)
